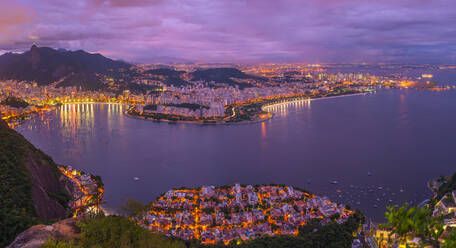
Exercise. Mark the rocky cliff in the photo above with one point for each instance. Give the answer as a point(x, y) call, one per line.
point(32, 189)
point(35, 236)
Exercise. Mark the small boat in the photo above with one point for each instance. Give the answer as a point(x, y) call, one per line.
point(380, 188)
point(423, 203)
point(369, 174)
point(375, 206)
point(136, 178)
point(334, 182)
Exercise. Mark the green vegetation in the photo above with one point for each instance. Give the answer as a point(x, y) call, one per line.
point(17, 211)
point(133, 207)
point(245, 113)
point(137, 88)
point(15, 102)
point(447, 186)
point(114, 231)
point(167, 75)
point(223, 75)
point(409, 222)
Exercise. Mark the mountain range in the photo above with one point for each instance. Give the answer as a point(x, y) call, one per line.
point(86, 71)
point(46, 66)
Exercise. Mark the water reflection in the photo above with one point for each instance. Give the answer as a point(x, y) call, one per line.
point(282, 109)
point(263, 130)
point(358, 141)
point(77, 125)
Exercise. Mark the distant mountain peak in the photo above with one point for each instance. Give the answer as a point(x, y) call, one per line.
point(46, 65)
point(35, 55)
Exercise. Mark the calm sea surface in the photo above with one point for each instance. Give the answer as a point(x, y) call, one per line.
point(381, 148)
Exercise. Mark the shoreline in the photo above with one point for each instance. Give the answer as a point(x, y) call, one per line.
point(194, 122)
point(240, 122)
point(318, 98)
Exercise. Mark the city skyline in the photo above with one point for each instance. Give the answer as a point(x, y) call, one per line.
point(350, 31)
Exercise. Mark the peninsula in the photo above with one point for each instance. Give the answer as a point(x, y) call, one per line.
point(226, 214)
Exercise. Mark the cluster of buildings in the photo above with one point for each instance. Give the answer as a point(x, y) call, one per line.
point(203, 111)
point(447, 207)
point(216, 99)
point(278, 81)
point(378, 237)
point(222, 214)
point(41, 98)
point(86, 191)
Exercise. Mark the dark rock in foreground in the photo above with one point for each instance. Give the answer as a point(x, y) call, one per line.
point(35, 236)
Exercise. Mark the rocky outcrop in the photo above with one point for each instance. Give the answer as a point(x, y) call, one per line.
point(37, 235)
point(32, 188)
point(49, 188)
point(46, 184)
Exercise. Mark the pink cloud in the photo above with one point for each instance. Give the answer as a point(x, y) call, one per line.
point(13, 17)
point(127, 3)
point(13, 14)
point(247, 30)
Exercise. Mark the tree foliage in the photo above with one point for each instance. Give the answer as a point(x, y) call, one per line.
point(410, 222)
point(114, 231)
point(17, 209)
point(446, 187)
point(133, 207)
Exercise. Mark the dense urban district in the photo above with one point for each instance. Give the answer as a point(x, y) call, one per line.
point(223, 214)
point(197, 93)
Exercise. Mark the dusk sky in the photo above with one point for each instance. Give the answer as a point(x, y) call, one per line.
point(417, 31)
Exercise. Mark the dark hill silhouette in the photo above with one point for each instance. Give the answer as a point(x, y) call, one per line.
point(222, 75)
point(45, 66)
point(63, 68)
point(170, 76)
